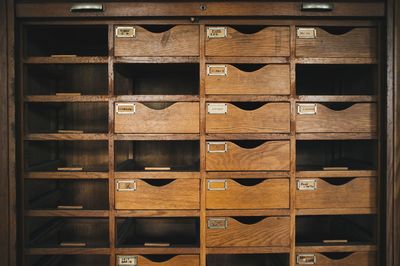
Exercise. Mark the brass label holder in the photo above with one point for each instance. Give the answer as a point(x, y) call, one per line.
point(211, 144)
point(307, 109)
point(307, 184)
point(217, 223)
point(217, 70)
point(217, 184)
point(125, 32)
point(127, 260)
point(306, 33)
point(125, 108)
point(126, 185)
point(306, 259)
point(217, 108)
point(217, 32)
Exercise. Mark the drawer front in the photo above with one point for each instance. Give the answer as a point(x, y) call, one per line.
point(181, 117)
point(229, 232)
point(181, 40)
point(137, 194)
point(227, 156)
point(268, 80)
point(318, 193)
point(269, 118)
point(361, 258)
point(319, 42)
point(317, 118)
point(137, 260)
point(227, 41)
point(229, 194)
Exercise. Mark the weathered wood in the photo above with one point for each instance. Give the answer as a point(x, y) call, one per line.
point(352, 259)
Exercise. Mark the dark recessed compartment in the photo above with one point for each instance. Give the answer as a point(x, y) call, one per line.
point(336, 154)
point(158, 232)
point(66, 194)
point(78, 117)
point(157, 79)
point(248, 260)
point(52, 79)
point(68, 260)
point(70, 156)
point(180, 155)
point(336, 230)
point(57, 232)
point(336, 79)
point(66, 40)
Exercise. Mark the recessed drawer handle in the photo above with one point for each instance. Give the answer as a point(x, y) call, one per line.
point(316, 7)
point(87, 8)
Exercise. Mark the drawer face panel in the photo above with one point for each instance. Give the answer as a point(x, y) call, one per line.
point(336, 42)
point(317, 193)
point(231, 194)
point(139, 194)
point(228, 156)
point(268, 118)
point(267, 80)
point(227, 41)
point(165, 260)
point(180, 40)
point(361, 258)
point(229, 232)
point(181, 117)
point(318, 118)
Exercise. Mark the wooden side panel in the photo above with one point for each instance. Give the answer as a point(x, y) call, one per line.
point(179, 194)
point(270, 193)
point(271, 232)
point(181, 40)
point(271, 155)
point(358, 42)
point(360, 117)
point(182, 117)
point(270, 41)
point(270, 79)
point(180, 260)
point(269, 118)
point(357, 193)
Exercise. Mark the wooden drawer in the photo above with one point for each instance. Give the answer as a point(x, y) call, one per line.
point(133, 40)
point(157, 194)
point(249, 232)
point(165, 260)
point(247, 193)
point(181, 117)
point(318, 118)
point(227, 41)
point(228, 156)
point(336, 42)
point(230, 118)
point(267, 80)
point(359, 258)
point(317, 193)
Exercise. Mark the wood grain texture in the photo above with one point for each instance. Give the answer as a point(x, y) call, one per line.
point(360, 117)
point(181, 40)
point(180, 260)
point(271, 231)
point(270, 41)
point(182, 117)
point(270, 193)
point(269, 118)
point(179, 194)
point(363, 258)
point(271, 79)
point(357, 193)
point(270, 156)
point(357, 43)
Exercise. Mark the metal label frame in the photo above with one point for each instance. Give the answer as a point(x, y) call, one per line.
point(119, 189)
point(210, 73)
point(307, 184)
point(131, 33)
point(307, 109)
point(127, 260)
point(305, 256)
point(217, 223)
point(212, 35)
point(217, 108)
point(306, 33)
point(119, 105)
point(211, 143)
point(213, 181)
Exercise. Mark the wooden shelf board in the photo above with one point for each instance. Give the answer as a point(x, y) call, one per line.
point(247, 60)
point(341, 173)
point(247, 250)
point(67, 213)
point(157, 98)
point(277, 136)
point(161, 250)
point(336, 211)
point(336, 60)
point(157, 213)
point(335, 136)
point(157, 136)
point(156, 59)
point(62, 136)
point(270, 174)
point(336, 98)
point(247, 98)
point(230, 213)
point(66, 175)
point(343, 248)
point(156, 175)
point(66, 60)
point(72, 98)
point(66, 251)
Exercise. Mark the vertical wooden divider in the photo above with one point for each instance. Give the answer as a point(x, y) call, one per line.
point(202, 106)
point(111, 93)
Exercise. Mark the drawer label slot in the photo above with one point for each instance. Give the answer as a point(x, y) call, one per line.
point(217, 146)
point(125, 108)
point(217, 108)
point(306, 33)
point(307, 109)
point(126, 185)
point(306, 259)
point(125, 32)
point(307, 184)
point(217, 223)
point(217, 32)
point(217, 184)
point(217, 70)
point(127, 260)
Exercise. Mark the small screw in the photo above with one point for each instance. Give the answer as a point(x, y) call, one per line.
point(192, 19)
point(203, 7)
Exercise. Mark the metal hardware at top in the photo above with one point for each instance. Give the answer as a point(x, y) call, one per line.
point(217, 184)
point(126, 260)
point(306, 108)
point(217, 223)
point(316, 7)
point(217, 32)
point(125, 32)
point(306, 259)
point(126, 185)
point(307, 184)
point(217, 143)
point(125, 108)
point(87, 7)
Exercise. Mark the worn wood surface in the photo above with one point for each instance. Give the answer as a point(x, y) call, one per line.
point(180, 260)
point(356, 258)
